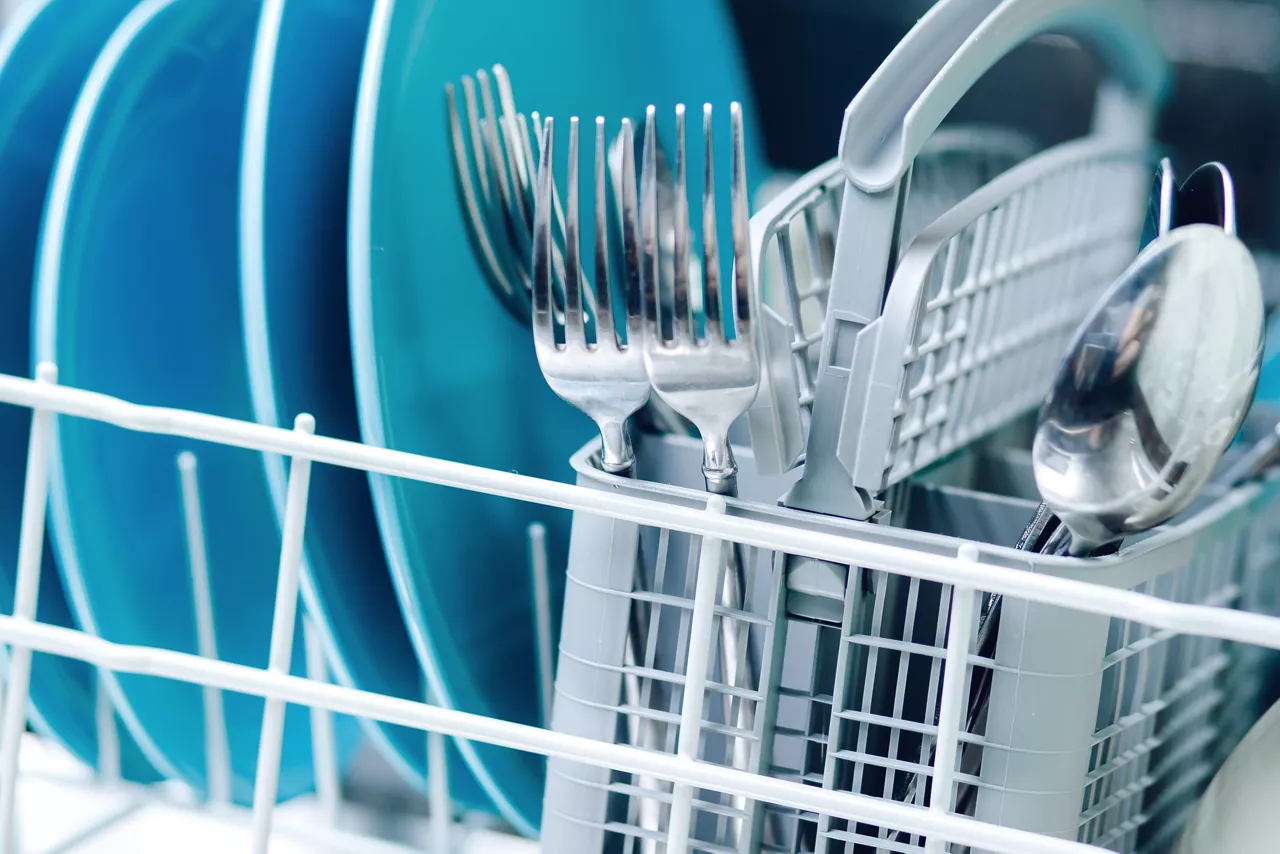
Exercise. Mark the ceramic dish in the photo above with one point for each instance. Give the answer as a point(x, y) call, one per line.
point(440, 368)
point(293, 281)
point(137, 297)
point(46, 50)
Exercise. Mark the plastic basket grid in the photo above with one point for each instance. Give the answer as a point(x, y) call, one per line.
point(985, 300)
point(850, 704)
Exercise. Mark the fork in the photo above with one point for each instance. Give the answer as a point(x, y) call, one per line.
point(710, 380)
point(605, 378)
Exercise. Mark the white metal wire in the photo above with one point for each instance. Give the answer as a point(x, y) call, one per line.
point(275, 683)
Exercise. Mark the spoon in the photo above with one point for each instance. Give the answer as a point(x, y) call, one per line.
point(1153, 389)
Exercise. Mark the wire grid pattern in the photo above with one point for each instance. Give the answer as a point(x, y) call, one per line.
point(22, 632)
point(650, 705)
point(953, 164)
point(977, 323)
point(1169, 716)
point(861, 717)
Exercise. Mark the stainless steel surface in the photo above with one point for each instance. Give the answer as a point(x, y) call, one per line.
point(711, 380)
point(1153, 389)
point(605, 378)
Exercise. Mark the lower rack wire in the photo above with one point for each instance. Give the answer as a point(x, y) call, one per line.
point(964, 572)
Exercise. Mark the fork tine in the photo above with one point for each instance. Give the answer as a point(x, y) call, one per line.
point(512, 141)
point(517, 227)
point(557, 257)
point(477, 142)
point(543, 323)
point(649, 227)
point(710, 244)
point(681, 328)
point(574, 327)
point(479, 228)
point(492, 145)
point(604, 309)
point(631, 238)
point(742, 278)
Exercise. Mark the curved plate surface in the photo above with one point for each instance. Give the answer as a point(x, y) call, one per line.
point(137, 297)
point(440, 368)
point(293, 280)
point(46, 51)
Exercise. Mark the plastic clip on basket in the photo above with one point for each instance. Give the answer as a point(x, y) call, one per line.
point(1085, 710)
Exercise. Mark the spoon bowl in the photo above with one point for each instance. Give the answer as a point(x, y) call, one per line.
point(1154, 387)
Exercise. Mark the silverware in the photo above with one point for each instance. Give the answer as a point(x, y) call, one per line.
point(711, 379)
point(605, 377)
point(602, 374)
point(1151, 394)
point(1146, 401)
point(495, 164)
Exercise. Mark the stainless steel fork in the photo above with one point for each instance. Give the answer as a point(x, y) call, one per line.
point(710, 380)
point(604, 378)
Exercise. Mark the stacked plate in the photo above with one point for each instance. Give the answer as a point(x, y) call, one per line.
point(248, 209)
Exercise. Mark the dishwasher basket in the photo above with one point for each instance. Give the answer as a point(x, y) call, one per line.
point(1099, 730)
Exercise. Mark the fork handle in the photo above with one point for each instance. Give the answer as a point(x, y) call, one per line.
point(617, 456)
point(719, 468)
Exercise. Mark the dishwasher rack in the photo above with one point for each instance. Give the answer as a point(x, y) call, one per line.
point(964, 570)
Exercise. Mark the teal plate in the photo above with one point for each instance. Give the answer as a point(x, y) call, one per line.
point(293, 284)
point(46, 51)
point(441, 369)
point(137, 297)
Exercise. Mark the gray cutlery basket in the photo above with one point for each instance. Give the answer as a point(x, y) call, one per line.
point(1099, 730)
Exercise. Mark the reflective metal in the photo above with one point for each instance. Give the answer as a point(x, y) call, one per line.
point(1153, 389)
point(604, 378)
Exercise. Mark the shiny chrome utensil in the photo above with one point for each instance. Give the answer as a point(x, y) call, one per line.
point(711, 380)
point(1208, 196)
point(498, 203)
point(1152, 392)
point(602, 374)
point(496, 163)
point(1150, 395)
point(604, 377)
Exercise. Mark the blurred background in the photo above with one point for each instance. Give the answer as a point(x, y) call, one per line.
point(807, 58)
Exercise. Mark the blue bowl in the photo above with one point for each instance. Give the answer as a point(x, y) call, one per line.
point(293, 285)
point(46, 51)
point(137, 297)
point(441, 369)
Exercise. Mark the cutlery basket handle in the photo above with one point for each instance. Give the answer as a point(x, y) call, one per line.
point(955, 44)
point(885, 127)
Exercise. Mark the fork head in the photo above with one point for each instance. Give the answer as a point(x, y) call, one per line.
point(602, 375)
point(713, 378)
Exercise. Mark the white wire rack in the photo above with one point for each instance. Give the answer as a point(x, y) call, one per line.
point(963, 571)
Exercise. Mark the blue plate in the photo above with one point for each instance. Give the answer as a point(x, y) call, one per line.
point(45, 53)
point(293, 219)
point(137, 297)
point(441, 369)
